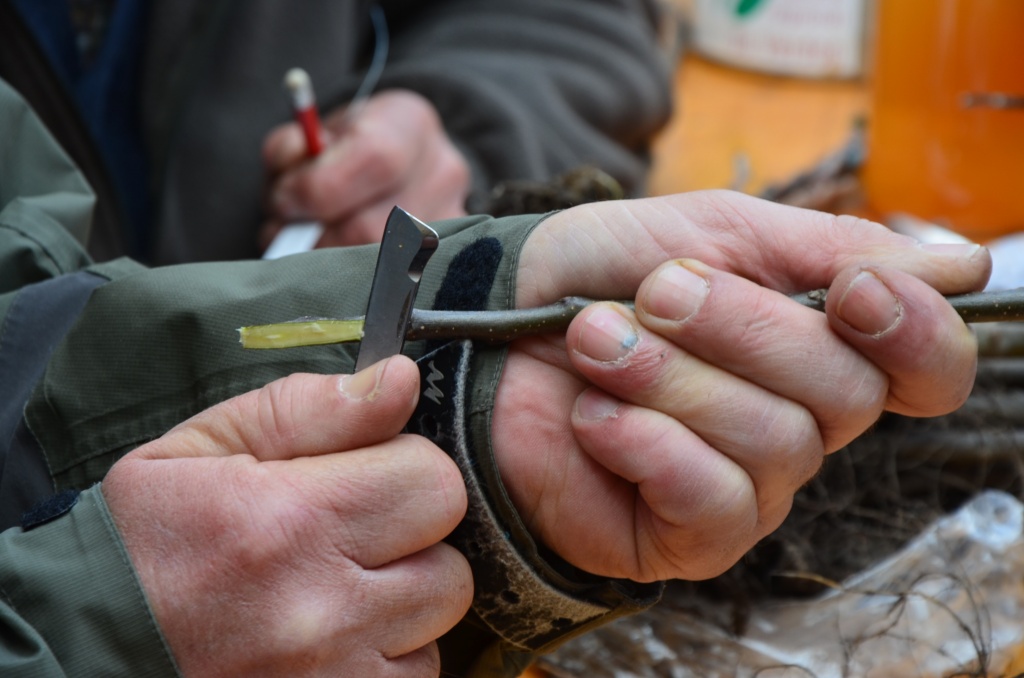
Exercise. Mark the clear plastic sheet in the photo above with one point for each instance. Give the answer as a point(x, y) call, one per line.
point(951, 603)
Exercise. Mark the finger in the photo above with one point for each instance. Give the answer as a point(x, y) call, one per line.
point(339, 121)
point(782, 247)
point(396, 151)
point(911, 333)
point(284, 147)
point(302, 415)
point(773, 439)
point(395, 498)
point(366, 227)
point(380, 622)
point(424, 662)
point(763, 337)
point(413, 601)
point(794, 250)
point(359, 169)
point(699, 511)
point(432, 198)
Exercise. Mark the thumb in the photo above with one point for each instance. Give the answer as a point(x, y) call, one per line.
point(301, 415)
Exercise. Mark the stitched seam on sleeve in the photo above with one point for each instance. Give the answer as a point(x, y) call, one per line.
point(108, 521)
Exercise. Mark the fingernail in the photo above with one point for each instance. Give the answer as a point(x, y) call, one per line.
point(362, 385)
point(594, 405)
point(676, 293)
point(607, 336)
point(948, 249)
point(868, 306)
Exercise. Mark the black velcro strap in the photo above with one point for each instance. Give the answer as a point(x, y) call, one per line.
point(51, 508)
point(469, 277)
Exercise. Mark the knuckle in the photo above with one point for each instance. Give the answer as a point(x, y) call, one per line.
point(452, 169)
point(703, 553)
point(317, 189)
point(453, 581)
point(384, 163)
point(848, 223)
point(440, 474)
point(275, 407)
point(424, 662)
point(858, 399)
point(651, 367)
point(302, 191)
point(793, 445)
point(772, 515)
point(718, 523)
point(755, 325)
point(418, 110)
point(363, 229)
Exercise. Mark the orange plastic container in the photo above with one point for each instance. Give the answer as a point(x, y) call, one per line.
point(946, 126)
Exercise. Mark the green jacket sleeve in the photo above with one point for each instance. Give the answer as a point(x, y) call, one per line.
point(155, 346)
point(45, 204)
point(70, 603)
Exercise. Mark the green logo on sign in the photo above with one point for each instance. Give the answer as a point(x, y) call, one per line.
point(746, 7)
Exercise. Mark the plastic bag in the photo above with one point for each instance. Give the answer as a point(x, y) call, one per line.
point(950, 603)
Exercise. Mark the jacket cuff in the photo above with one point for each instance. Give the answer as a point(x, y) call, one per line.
point(69, 588)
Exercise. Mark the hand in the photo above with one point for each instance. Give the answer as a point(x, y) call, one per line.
point(293, 531)
point(665, 443)
point(393, 152)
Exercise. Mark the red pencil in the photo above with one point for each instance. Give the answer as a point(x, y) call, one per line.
point(294, 238)
point(304, 107)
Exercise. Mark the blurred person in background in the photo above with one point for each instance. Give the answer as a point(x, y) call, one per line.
point(174, 109)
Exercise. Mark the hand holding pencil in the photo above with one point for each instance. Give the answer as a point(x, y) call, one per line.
point(300, 237)
point(304, 107)
point(348, 174)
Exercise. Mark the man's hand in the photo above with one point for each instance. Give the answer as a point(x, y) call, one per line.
point(293, 531)
point(665, 443)
point(393, 152)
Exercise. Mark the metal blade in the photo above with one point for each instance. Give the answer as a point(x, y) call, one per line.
point(407, 245)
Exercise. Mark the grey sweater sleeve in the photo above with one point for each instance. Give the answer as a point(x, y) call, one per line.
point(533, 88)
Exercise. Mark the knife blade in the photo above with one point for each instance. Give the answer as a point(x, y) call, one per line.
point(407, 245)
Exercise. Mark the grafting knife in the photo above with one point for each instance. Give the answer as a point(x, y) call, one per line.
point(407, 245)
point(504, 326)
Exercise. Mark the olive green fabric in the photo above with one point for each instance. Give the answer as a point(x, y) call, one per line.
point(157, 345)
point(45, 207)
point(70, 603)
